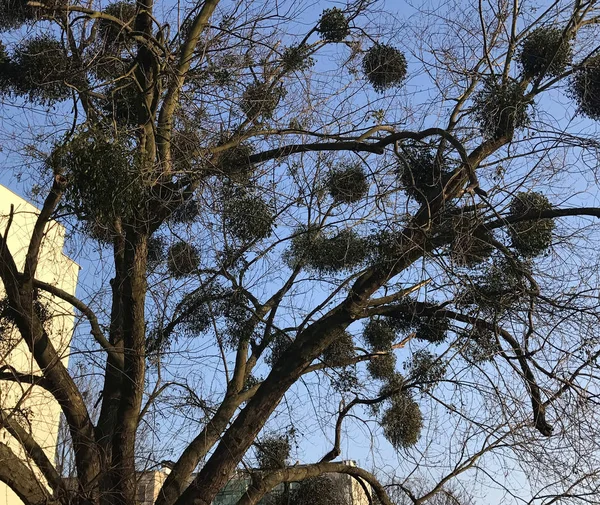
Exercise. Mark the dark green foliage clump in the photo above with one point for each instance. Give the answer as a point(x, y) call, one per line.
point(14, 13)
point(248, 217)
point(383, 245)
point(109, 66)
point(182, 259)
point(296, 59)
point(531, 238)
point(402, 422)
point(321, 490)
point(432, 329)
point(333, 25)
point(156, 251)
point(421, 174)
point(341, 252)
point(184, 148)
point(470, 249)
point(347, 183)
point(240, 322)
point(344, 380)
point(260, 100)
point(425, 368)
point(384, 67)
point(312, 249)
point(186, 212)
point(340, 351)
point(112, 33)
point(545, 51)
point(235, 163)
point(250, 382)
point(422, 320)
point(273, 452)
point(380, 333)
point(278, 347)
point(480, 345)
point(585, 88)
point(9, 336)
point(120, 103)
point(499, 288)
point(104, 182)
point(382, 367)
point(195, 313)
point(38, 69)
point(501, 108)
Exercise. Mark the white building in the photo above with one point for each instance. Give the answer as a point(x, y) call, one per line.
point(36, 409)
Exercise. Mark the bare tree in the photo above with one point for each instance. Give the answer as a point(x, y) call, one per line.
point(279, 207)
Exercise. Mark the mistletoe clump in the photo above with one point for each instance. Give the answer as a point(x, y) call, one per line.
point(38, 69)
point(234, 162)
point(107, 67)
point(186, 212)
point(195, 315)
point(156, 251)
point(278, 346)
point(421, 174)
point(585, 88)
point(112, 32)
point(120, 102)
point(296, 58)
point(273, 452)
point(402, 422)
point(310, 248)
point(425, 368)
point(321, 490)
point(260, 100)
point(384, 67)
point(341, 252)
point(545, 51)
point(182, 259)
point(380, 333)
point(105, 183)
point(480, 345)
point(382, 367)
point(347, 183)
point(184, 148)
point(423, 320)
point(14, 13)
point(501, 108)
point(432, 329)
point(248, 217)
point(340, 351)
point(533, 237)
point(471, 248)
point(333, 25)
point(499, 288)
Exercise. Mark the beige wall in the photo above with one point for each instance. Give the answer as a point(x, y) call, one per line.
point(39, 412)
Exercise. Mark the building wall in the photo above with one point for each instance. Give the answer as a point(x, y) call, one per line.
point(37, 409)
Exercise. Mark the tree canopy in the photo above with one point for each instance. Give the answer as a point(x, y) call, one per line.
point(306, 217)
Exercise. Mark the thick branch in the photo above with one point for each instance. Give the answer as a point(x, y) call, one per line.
point(165, 118)
point(21, 479)
point(542, 214)
point(34, 451)
point(96, 332)
point(263, 483)
point(33, 251)
point(8, 373)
